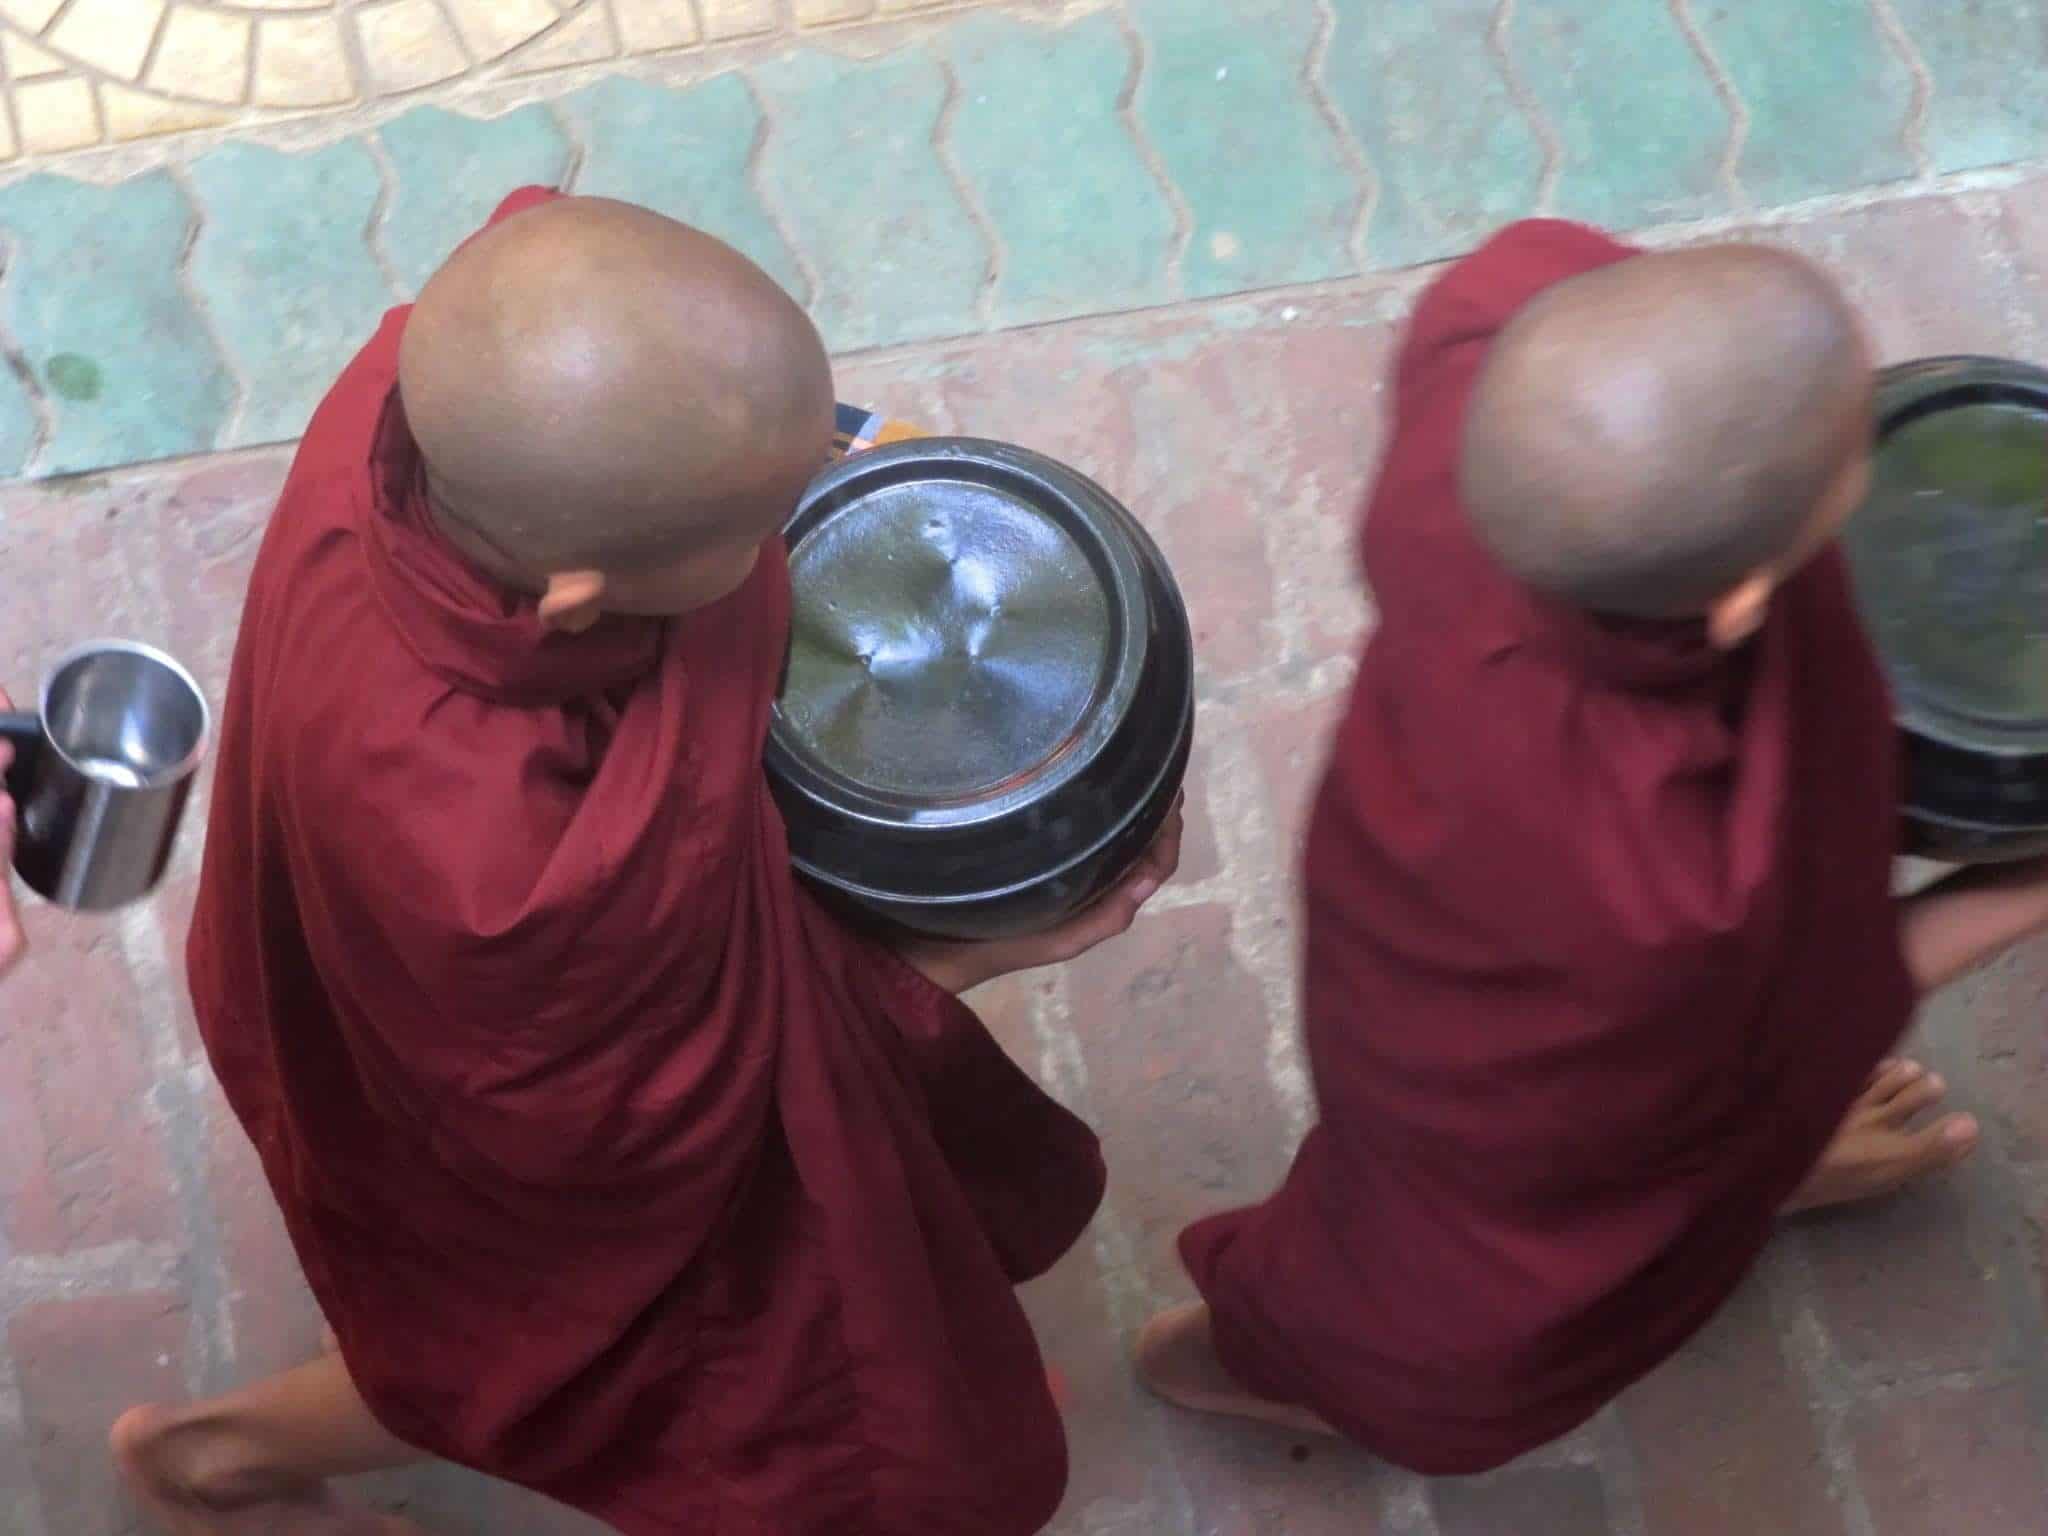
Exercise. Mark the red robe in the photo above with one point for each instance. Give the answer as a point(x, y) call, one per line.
point(620, 1169)
point(1600, 946)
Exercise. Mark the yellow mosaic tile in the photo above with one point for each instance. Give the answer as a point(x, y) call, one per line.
point(128, 69)
point(134, 114)
point(300, 62)
point(30, 15)
point(822, 13)
point(203, 54)
point(25, 61)
point(648, 26)
point(581, 39)
point(111, 36)
point(738, 18)
point(407, 44)
point(495, 27)
point(56, 115)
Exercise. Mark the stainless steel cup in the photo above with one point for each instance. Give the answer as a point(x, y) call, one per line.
point(101, 772)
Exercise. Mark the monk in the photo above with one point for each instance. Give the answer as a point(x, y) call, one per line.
point(1603, 968)
point(12, 940)
point(620, 1169)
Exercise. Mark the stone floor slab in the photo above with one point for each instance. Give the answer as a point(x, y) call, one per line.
point(1639, 127)
point(1260, 169)
point(120, 359)
point(1452, 155)
point(1989, 78)
point(1040, 136)
point(1784, 62)
point(449, 171)
point(285, 270)
point(853, 168)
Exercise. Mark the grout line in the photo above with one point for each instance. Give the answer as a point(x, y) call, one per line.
point(1127, 1300)
point(1548, 139)
point(572, 135)
point(977, 214)
point(1893, 28)
point(1786, 1273)
point(1731, 102)
point(758, 181)
point(1314, 68)
point(380, 212)
point(56, 20)
point(447, 15)
point(238, 408)
point(173, 1108)
point(1620, 1477)
point(1148, 152)
point(156, 46)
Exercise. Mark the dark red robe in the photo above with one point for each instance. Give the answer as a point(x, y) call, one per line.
point(620, 1168)
point(1600, 946)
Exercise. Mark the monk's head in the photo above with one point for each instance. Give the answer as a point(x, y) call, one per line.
point(615, 410)
point(1671, 436)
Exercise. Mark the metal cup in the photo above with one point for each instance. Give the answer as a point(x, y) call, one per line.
point(101, 772)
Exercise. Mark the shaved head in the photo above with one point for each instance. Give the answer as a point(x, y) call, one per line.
point(594, 385)
point(1646, 436)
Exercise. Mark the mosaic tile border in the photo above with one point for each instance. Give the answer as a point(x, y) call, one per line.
point(1001, 167)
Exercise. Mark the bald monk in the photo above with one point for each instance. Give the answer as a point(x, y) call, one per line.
point(1603, 967)
point(619, 1168)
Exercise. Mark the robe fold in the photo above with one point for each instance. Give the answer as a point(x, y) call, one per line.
point(1599, 948)
point(620, 1168)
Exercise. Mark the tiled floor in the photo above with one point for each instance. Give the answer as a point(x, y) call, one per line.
point(80, 73)
point(1078, 202)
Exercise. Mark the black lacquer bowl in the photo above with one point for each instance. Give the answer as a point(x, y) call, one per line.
point(1950, 555)
point(990, 694)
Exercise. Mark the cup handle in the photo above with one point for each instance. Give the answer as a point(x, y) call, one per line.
point(26, 732)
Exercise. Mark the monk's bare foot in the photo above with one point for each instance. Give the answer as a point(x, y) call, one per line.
point(1878, 1149)
point(1176, 1360)
point(193, 1479)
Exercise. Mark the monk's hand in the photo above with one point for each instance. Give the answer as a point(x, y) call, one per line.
point(963, 967)
point(12, 941)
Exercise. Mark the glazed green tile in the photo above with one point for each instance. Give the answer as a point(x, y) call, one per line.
point(284, 267)
point(1639, 125)
point(1224, 101)
point(1421, 88)
point(450, 172)
point(1990, 73)
point(1782, 61)
point(1041, 144)
point(92, 298)
point(682, 152)
point(851, 165)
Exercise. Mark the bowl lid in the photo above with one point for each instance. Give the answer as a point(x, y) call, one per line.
point(968, 627)
point(1950, 550)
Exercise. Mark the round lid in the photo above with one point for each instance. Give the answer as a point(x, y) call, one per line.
point(962, 633)
point(1950, 550)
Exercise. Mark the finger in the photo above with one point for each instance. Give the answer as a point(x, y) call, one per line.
point(1892, 1079)
point(1912, 1099)
point(1946, 1142)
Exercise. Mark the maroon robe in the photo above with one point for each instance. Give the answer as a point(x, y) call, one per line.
point(1600, 947)
point(620, 1168)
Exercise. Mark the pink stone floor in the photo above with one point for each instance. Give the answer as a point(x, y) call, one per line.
point(1885, 1374)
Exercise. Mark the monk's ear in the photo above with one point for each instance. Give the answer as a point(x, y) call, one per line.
point(572, 602)
point(1740, 612)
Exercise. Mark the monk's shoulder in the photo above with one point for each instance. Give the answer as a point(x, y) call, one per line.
point(1477, 295)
